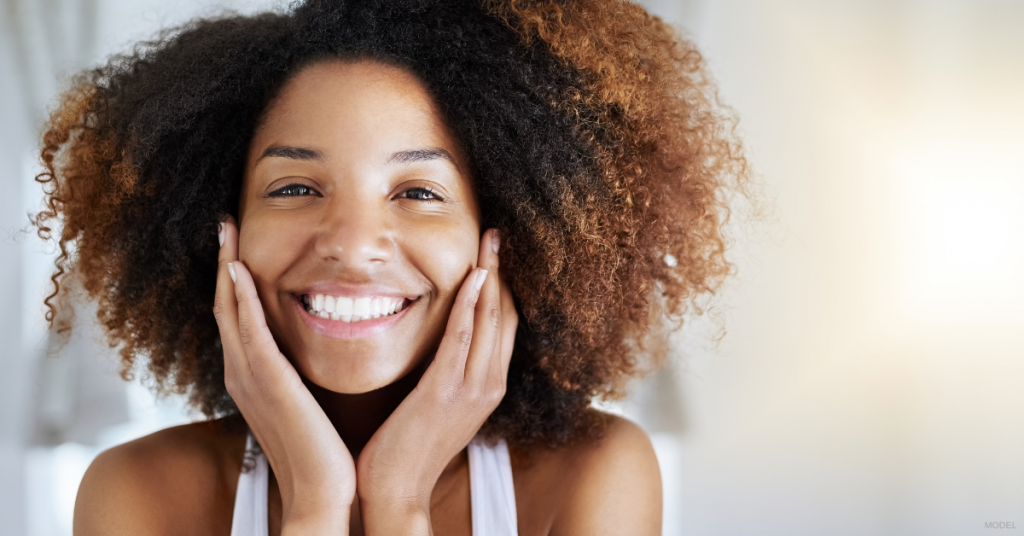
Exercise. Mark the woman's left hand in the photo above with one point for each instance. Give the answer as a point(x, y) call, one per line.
point(398, 468)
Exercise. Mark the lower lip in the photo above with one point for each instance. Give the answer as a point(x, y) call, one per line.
point(338, 329)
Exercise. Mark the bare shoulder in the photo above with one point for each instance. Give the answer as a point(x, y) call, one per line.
point(178, 480)
point(605, 485)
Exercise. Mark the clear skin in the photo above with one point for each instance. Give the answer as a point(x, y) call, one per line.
point(355, 184)
point(357, 208)
point(372, 219)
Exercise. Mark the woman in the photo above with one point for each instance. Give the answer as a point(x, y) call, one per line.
point(392, 250)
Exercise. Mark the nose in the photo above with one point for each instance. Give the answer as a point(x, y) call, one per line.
point(355, 233)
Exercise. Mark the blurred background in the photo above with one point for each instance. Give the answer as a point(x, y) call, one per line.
point(870, 380)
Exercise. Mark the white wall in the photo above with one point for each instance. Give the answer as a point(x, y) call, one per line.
point(870, 381)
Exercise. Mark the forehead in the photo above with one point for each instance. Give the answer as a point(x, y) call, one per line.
point(361, 108)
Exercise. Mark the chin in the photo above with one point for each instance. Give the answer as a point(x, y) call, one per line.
point(354, 372)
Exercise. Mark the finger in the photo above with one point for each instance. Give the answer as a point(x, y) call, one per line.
point(225, 305)
point(488, 315)
point(458, 335)
point(257, 341)
point(509, 325)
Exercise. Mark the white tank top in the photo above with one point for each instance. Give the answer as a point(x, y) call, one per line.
point(492, 496)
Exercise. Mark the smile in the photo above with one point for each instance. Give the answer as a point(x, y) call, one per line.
point(345, 309)
point(344, 317)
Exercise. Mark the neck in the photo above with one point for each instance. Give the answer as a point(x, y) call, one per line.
point(357, 417)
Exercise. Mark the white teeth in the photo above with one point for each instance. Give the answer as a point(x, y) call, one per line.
point(344, 307)
point(376, 307)
point(351, 309)
point(361, 307)
point(329, 304)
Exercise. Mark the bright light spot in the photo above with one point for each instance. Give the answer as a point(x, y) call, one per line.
point(961, 236)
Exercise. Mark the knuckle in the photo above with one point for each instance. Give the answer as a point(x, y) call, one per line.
point(494, 314)
point(464, 337)
point(494, 397)
point(234, 386)
point(245, 332)
point(489, 395)
point(218, 311)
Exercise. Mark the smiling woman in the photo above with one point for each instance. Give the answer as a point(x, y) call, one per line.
point(393, 250)
point(353, 199)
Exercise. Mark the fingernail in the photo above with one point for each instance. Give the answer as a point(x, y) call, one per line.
point(481, 276)
point(496, 241)
point(231, 272)
point(220, 233)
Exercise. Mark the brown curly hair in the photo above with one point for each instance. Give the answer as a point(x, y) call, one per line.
point(597, 145)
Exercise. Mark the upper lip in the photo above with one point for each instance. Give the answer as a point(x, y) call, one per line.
point(354, 291)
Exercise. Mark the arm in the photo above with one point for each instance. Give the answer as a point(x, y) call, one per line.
point(617, 490)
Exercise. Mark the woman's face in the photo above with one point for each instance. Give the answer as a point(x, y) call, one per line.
point(356, 203)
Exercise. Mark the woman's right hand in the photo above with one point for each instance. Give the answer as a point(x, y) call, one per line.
point(313, 467)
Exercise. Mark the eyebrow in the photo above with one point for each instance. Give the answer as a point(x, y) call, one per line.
point(421, 155)
point(295, 153)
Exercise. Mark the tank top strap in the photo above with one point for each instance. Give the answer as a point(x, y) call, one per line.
point(250, 515)
point(492, 495)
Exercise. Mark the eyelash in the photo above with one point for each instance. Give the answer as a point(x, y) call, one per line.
point(284, 192)
point(433, 195)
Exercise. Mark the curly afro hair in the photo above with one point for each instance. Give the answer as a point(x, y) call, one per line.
point(597, 146)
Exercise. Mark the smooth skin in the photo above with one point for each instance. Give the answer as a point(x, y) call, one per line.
point(354, 180)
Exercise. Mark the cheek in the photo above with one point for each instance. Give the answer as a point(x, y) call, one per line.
point(445, 257)
point(266, 249)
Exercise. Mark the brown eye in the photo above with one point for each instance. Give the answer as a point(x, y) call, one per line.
point(421, 194)
point(294, 190)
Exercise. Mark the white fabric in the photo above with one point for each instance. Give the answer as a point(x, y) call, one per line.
point(250, 517)
point(492, 496)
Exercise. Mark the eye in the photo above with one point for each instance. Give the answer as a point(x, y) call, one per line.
point(294, 190)
point(420, 194)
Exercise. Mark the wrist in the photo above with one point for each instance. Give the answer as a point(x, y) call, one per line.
point(296, 524)
point(308, 515)
point(396, 517)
